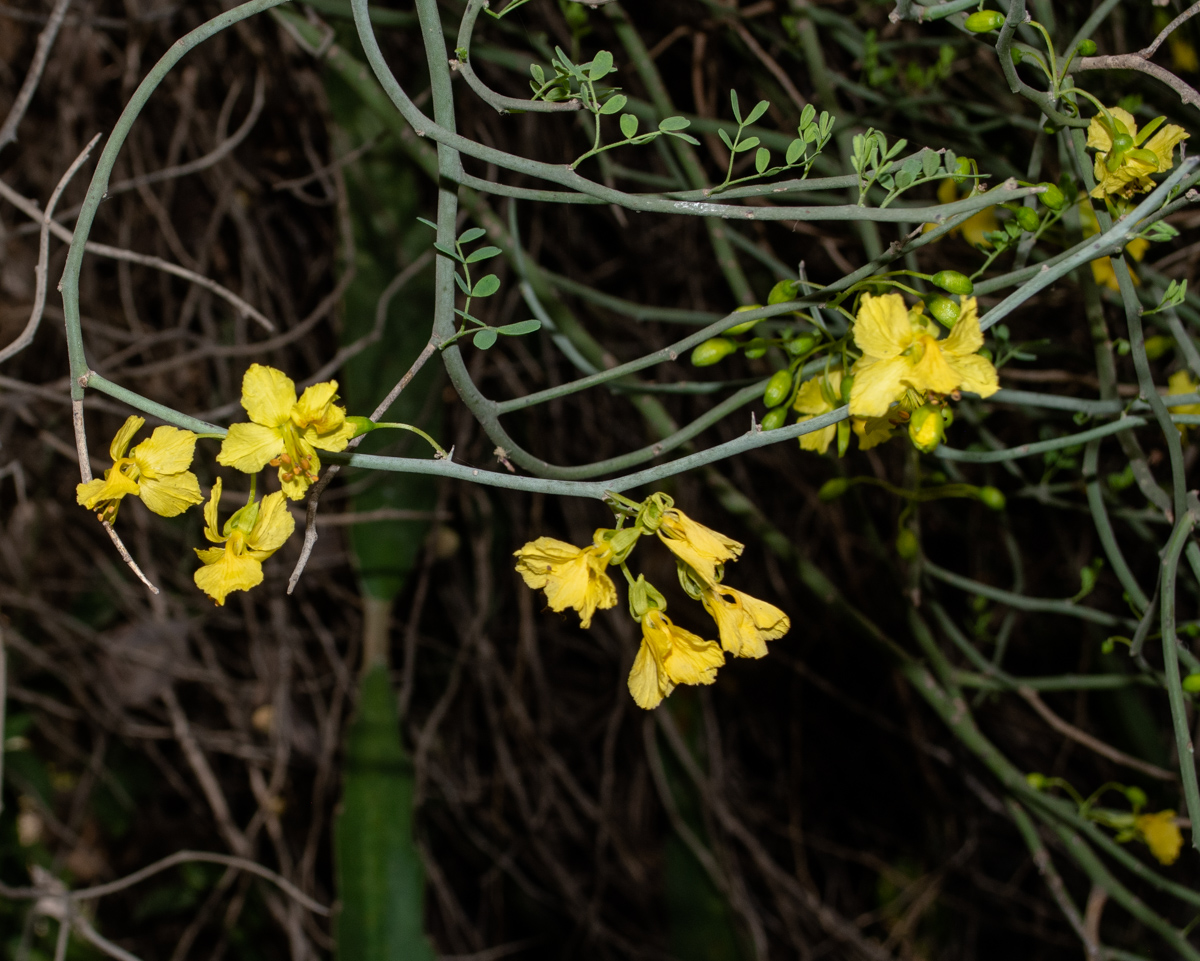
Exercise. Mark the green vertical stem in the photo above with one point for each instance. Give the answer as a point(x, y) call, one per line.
point(1183, 737)
point(726, 256)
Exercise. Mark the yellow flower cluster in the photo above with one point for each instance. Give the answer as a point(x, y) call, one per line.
point(1161, 835)
point(1125, 158)
point(669, 655)
point(284, 431)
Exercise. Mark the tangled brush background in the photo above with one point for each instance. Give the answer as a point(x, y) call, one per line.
point(861, 792)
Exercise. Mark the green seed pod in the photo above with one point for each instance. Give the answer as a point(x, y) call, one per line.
point(953, 282)
point(984, 21)
point(1053, 196)
point(1028, 219)
point(907, 544)
point(782, 292)
point(748, 325)
point(991, 497)
point(712, 351)
point(944, 310)
point(1086, 48)
point(833, 488)
point(798, 346)
point(1191, 683)
point(774, 419)
point(778, 388)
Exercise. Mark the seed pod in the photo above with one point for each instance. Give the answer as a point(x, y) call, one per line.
point(984, 21)
point(1053, 196)
point(778, 388)
point(992, 497)
point(953, 282)
point(944, 310)
point(712, 351)
point(774, 419)
point(833, 488)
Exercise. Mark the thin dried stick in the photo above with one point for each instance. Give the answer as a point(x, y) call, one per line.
point(30, 209)
point(85, 472)
point(39, 298)
point(1095, 744)
point(8, 132)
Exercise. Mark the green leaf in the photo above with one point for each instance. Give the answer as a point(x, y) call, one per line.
point(762, 159)
point(629, 125)
point(519, 328)
point(686, 137)
point(759, 109)
point(748, 144)
point(472, 234)
point(615, 104)
point(462, 284)
point(538, 73)
point(483, 253)
point(602, 66)
point(448, 251)
point(807, 115)
point(486, 286)
point(484, 339)
point(427, 222)
point(930, 162)
point(668, 124)
point(795, 151)
point(733, 100)
point(380, 879)
point(724, 137)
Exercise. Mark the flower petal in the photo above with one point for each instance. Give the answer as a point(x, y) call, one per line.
point(248, 447)
point(274, 526)
point(333, 440)
point(225, 571)
point(114, 486)
point(171, 494)
point(811, 399)
point(268, 395)
point(965, 337)
point(296, 487)
point(931, 372)
point(817, 440)
point(871, 431)
point(647, 683)
point(882, 327)
point(1162, 144)
point(976, 374)
point(168, 450)
point(121, 442)
point(211, 530)
point(691, 659)
point(316, 409)
point(537, 558)
point(876, 384)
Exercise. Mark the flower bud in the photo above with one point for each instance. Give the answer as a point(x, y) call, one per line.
point(1053, 196)
point(712, 351)
point(748, 325)
point(774, 419)
point(1136, 796)
point(782, 292)
point(944, 310)
point(992, 497)
point(907, 544)
point(953, 282)
point(1086, 48)
point(1191, 683)
point(1027, 218)
point(644, 597)
point(1017, 56)
point(1158, 345)
point(833, 488)
point(757, 348)
point(1035, 780)
point(926, 429)
point(778, 388)
point(847, 386)
point(984, 21)
point(962, 169)
point(798, 346)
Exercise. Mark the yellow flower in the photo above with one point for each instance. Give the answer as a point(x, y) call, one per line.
point(819, 396)
point(974, 229)
point(872, 431)
point(284, 431)
point(1161, 834)
point(744, 623)
point(1102, 270)
point(156, 470)
point(250, 536)
point(704, 550)
point(1182, 382)
point(1134, 162)
point(571, 576)
point(670, 655)
point(901, 352)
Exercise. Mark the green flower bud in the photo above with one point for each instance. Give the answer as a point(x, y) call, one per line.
point(1086, 48)
point(778, 388)
point(847, 386)
point(1035, 780)
point(1049, 128)
point(1017, 56)
point(944, 310)
point(926, 429)
point(907, 544)
point(798, 346)
point(1156, 346)
point(748, 325)
point(1136, 796)
point(1053, 196)
point(1028, 219)
point(712, 351)
point(953, 282)
point(962, 169)
point(645, 597)
point(774, 419)
point(984, 21)
point(782, 292)
point(1191, 683)
point(992, 497)
point(833, 488)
